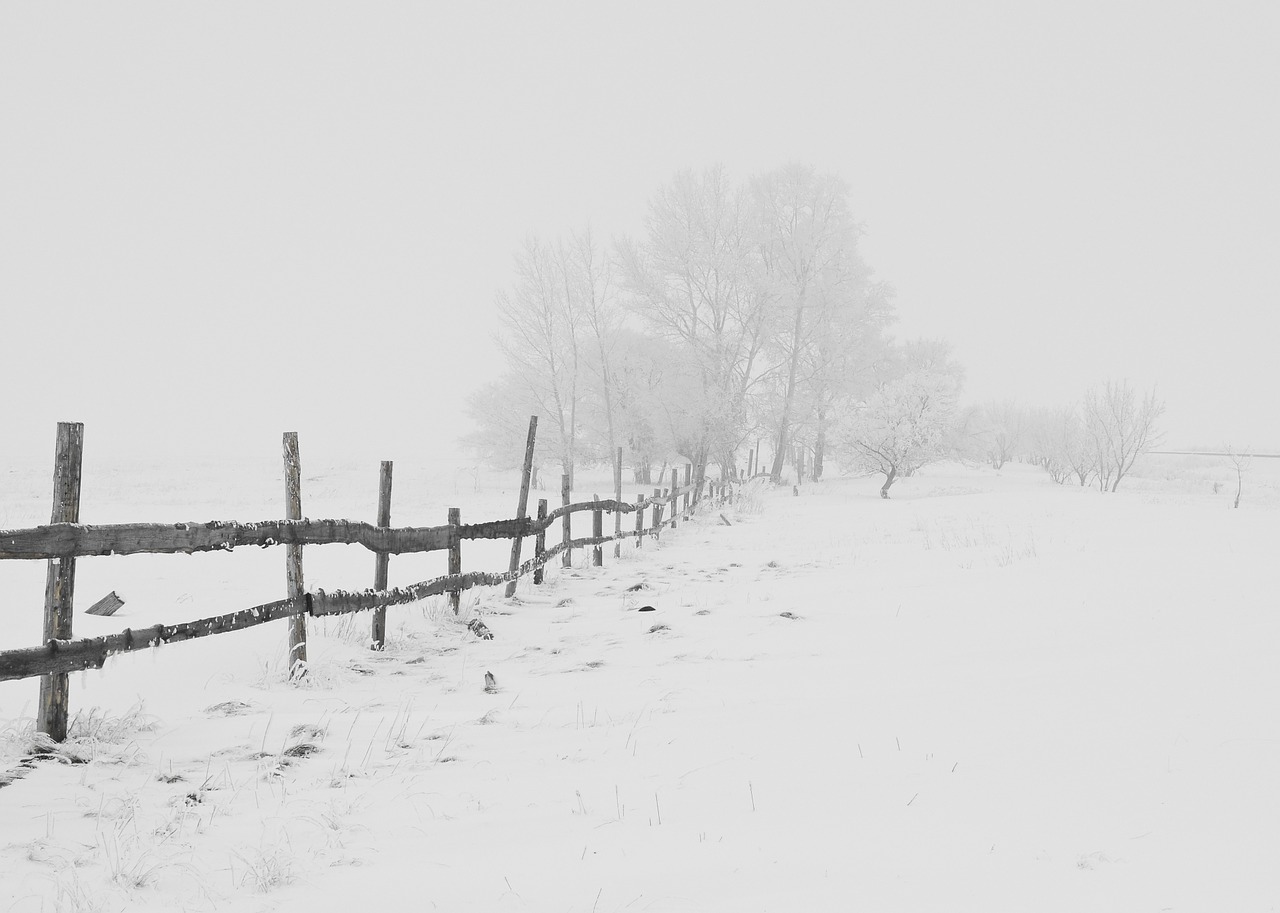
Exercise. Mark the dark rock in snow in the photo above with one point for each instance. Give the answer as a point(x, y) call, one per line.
point(646, 608)
point(479, 629)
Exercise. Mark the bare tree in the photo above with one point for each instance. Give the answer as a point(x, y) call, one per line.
point(541, 337)
point(1240, 461)
point(1120, 428)
point(586, 275)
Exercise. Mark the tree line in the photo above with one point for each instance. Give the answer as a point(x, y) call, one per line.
point(742, 317)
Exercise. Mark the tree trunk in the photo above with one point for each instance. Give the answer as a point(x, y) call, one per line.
point(785, 421)
point(888, 480)
point(820, 445)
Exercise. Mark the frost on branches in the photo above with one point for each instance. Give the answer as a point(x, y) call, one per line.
point(904, 425)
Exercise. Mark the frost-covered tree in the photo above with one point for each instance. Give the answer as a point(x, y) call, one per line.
point(501, 411)
point(1001, 431)
point(1056, 439)
point(904, 425)
point(807, 246)
point(1120, 428)
point(694, 281)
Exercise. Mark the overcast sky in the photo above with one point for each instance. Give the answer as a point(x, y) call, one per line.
point(222, 221)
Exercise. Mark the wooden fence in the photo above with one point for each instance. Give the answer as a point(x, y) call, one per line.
point(65, 539)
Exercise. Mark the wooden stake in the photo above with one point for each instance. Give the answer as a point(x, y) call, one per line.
point(382, 560)
point(657, 513)
point(617, 496)
point(597, 530)
point(675, 495)
point(639, 520)
point(455, 556)
point(566, 521)
point(293, 555)
point(522, 507)
point(60, 579)
point(688, 479)
point(540, 541)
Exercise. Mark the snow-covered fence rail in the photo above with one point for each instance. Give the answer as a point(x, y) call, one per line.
point(64, 540)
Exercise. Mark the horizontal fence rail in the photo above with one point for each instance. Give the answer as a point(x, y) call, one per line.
point(67, 540)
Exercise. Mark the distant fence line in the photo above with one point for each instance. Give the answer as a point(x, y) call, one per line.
point(1206, 453)
point(64, 540)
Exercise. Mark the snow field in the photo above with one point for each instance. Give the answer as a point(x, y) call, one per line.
point(989, 693)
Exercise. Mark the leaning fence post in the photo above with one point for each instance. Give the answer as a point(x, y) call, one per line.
point(639, 520)
point(657, 512)
point(293, 555)
point(540, 541)
point(455, 557)
point(382, 560)
point(688, 479)
point(675, 496)
point(566, 521)
point(522, 508)
point(60, 578)
point(617, 497)
point(597, 531)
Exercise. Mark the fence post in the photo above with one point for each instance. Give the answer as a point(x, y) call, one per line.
point(639, 520)
point(566, 522)
point(597, 530)
point(751, 457)
point(522, 508)
point(688, 480)
point(675, 496)
point(455, 556)
point(382, 560)
point(617, 497)
point(657, 513)
point(293, 555)
point(540, 541)
point(60, 578)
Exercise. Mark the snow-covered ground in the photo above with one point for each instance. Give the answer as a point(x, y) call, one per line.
point(989, 693)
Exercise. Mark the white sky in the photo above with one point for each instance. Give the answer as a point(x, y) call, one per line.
point(222, 221)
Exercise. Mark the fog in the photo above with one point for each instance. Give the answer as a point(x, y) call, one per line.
point(227, 221)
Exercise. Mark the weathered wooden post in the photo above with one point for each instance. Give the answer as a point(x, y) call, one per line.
point(293, 556)
point(566, 522)
point(60, 578)
point(597, 531)
point(688, 490)
point(675, 496)
point(540, 541)
point(639, 520)
point(617, 497)
point(657, 512)
point(751, 457)
point(382, 560)
point(522, 508)
point(455, 556)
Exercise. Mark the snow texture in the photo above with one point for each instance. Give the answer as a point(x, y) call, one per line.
point(988, 693)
